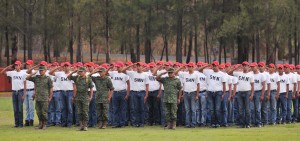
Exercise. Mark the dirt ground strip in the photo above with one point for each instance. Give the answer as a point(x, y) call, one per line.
point(5, 94)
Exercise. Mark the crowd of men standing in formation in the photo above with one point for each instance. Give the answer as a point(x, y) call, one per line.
point(161, 93)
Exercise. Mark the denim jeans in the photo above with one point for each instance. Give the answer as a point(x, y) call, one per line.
point(119, 107)
point(92, 111)
point(180, 113)
point(243, 101)
point(236, 109)
point(153, 107)
point(265, 108)
point(202, 108)
point(281, 108)
point(139, 105)
point(18, 107)
point(67, 109)
point(190, 108)
point(289, 107)
point(111, 114)
point(214, 99)
point(162, 109)
point(131, 108)
point(273, 105)
point(296, 109)
point(231, 112)
point(224, 109)
point(54, 109)
point(257, 108)
point(29, 105)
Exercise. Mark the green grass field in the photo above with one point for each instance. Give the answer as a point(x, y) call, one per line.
point(289, 132)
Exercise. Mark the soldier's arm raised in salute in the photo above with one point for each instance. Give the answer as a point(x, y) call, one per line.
point(29, 71)
point(70, 75)
point(53, 70)
point(5, 69)
point(126, 68)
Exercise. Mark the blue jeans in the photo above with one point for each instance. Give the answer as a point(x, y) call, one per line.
point(139, 106)
point(281, 108)
point(29, 105)
point(190, 108)
point(119, 107)
point(265, 108)
point(153, 107)
point(273, 105)
point(243, 101)
point(67, 109)
point(181, 113)
point(257, 108)
point(56, 112)
point(131, 108)
point(231, 112)
point(202, 108)
point(236, 109)
point(289, 107)
point(18, 107)
point(162, 110)
point(92, 111)
point(296, 109)
point(214, 99)
point(224, 109)
point(111, 114)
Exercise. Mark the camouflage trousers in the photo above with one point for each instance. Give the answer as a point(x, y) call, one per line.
point(41, 108)
point(82, 109)
point(102, 111)
point(171, 111)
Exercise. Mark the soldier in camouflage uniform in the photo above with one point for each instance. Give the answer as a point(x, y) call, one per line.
point(104, 88)
point(82, 95)
point(43, 93)
point(172, 94)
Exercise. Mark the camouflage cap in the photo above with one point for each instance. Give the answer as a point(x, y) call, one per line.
point(82, 69)
point(101, 70)
point(42, 68)
point(171, 70)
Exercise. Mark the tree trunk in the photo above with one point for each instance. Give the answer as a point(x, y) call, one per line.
point(243, 48)
point(257, 42)
point(30, 18)
point(253, 47)
point(132, 53)
point(196, 43)
point(138, 42)
point(79, 45)
point(184, 45)
point(90, 35)
point(206, 43)
point(188, 58)
point(107, 54)
point(224, 50)
point(71, 41)
point(290, 55)
point(1, 47)
point(6, 35)
point(14, 49)
point(179, 34)
point(45, 31)
point(220, 48)
point(148, 49)
point(25, 35)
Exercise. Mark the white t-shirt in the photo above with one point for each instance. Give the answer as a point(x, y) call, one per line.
point(244, 80)
point(153, 84)
point(93, 75)
point(293, 80)
point(258, 80)
point(202, 81)
point(119, 80)
point(64, 83)
point(29, 84)
point(234, 82)
point(228, 80)
point(284, 81)
point(138, 80)
point(55, 83)
point(17, 79)
point(273, 79)
point(190, 81)
point(214, 80)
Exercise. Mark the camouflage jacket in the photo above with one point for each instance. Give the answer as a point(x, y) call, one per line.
point(171, 89)
point(82, 86)
point(43, 84)
point(103, 85)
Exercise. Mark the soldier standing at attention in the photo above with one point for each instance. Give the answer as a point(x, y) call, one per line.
point(172, 94)
point(43, 93)
point(82, 97)
point(104, 88)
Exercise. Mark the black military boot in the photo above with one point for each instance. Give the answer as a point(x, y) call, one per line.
point(31, 123)
point(26, 122)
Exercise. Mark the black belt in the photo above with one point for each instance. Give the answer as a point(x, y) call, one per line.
point(56, 91)
point(202, 91)
point(138, 91)
point(215, 91)
point(18, 90)
point(29, 89)
point(66, 90)
point(273, 90)
point(153, 91)
point(121, 91)
point(258, 91)
point(190, 92)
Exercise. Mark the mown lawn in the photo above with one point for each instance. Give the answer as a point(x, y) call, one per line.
point(289, 132)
